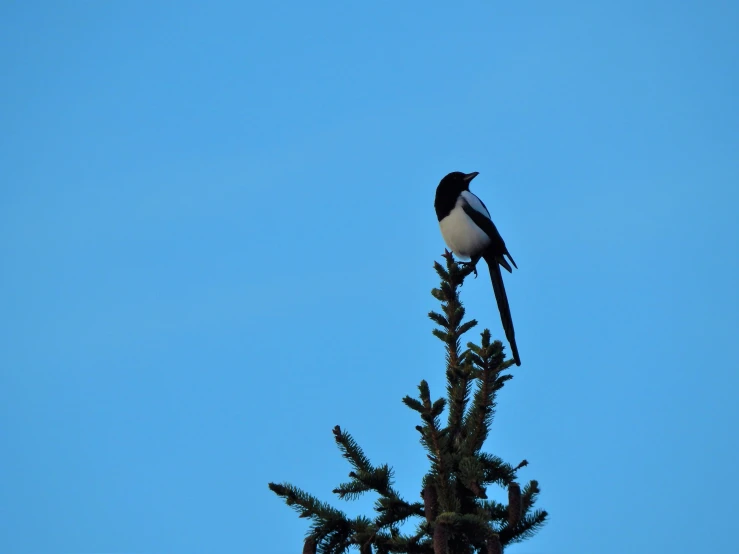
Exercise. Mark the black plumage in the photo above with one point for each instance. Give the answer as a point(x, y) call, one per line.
point(469, 232)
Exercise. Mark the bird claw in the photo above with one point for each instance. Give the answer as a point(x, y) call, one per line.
point(467, 264)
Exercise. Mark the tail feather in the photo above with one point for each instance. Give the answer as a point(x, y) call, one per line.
point(502, 261)
point(505, 311)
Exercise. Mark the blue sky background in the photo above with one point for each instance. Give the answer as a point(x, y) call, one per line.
point(217, 233)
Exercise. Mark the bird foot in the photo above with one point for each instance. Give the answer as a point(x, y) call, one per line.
point(467, 264)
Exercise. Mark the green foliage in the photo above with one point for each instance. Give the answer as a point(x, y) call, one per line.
point(456, 516)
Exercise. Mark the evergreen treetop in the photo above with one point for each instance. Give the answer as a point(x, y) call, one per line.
point(455, 515)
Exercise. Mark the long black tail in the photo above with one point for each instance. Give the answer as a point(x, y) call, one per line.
point(503, 308)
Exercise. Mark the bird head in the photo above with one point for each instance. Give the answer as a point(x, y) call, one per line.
point(456, 181)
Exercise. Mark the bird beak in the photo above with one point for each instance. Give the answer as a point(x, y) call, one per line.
point(470, 176)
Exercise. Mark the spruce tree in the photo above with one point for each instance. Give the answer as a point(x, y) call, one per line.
point(455, 515)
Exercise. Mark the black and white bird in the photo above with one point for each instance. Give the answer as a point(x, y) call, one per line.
point(469, 232)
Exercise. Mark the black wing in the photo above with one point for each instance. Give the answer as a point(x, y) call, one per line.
point(497, 246)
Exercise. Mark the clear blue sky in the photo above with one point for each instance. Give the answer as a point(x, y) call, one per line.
point(217, 233)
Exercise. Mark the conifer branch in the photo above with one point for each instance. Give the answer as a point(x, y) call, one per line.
point(471, 475)
point(527, 528)
point(488, 359)
point(351, 450)
point(451, 331)
point(529, 495)
point(307, 505)
point(395, 510)
point(386, 543)
point(351, 490)
point(495, 470)
point(494, 511)
point(432, 436)
point(480, 416)
point(414, 404)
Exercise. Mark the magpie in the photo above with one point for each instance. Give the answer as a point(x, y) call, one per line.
point(469, 232)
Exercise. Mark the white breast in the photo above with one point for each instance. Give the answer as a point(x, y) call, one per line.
point(460, 233)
